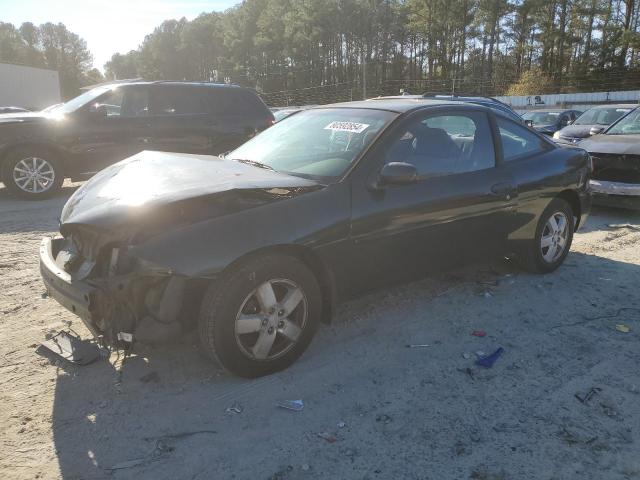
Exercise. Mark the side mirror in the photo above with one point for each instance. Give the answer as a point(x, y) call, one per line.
point(529, 123)
point(595, 130)
point(398, 173)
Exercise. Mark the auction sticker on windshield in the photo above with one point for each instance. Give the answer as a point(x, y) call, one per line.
point(347, 127)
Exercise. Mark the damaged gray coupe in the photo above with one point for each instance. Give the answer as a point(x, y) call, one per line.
point(254, 249)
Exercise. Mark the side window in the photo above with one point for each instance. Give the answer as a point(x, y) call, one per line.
point(112, 102)
point(517, 141)
point(136, 102)
point(446, 144)
point(126, 102)
point(172, 100)
point(229, 101)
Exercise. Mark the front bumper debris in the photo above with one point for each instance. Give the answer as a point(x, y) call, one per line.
point(141, 303)
point(76, 296)
point(615, 194)
point(604, 187)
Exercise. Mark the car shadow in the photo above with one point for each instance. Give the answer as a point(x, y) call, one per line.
point(164, 413)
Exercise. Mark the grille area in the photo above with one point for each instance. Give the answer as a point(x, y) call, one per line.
point(616, 167)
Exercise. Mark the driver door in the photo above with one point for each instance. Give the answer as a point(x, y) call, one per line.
point(461, 203)
point(116, 128)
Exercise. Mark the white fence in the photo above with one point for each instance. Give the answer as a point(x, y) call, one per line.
point(571, 99)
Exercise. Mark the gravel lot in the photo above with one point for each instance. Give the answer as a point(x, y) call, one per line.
point(394, 412)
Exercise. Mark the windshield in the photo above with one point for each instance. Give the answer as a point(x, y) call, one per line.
point(542, 118)
point(80, 101)
point(601, 116)
point(319, 143)
point(629, 125)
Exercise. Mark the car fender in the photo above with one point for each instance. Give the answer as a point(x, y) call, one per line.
point(318, 220)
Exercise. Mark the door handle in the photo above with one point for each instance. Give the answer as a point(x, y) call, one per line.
point(503, 189)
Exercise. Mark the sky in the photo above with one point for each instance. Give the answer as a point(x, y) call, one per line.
point(108, 26)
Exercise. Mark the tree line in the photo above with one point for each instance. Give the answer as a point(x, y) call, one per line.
point(50, 46)
point(473, 46)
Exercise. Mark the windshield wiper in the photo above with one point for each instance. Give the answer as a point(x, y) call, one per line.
point(254, 163)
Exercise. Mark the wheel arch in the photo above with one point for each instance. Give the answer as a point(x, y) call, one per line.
point(573, 199)
point(312, 260)
point(55, 150)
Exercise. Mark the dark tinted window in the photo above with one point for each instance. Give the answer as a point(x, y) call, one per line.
point(179, 100)
point(446, 144)
point(235, 101)
point(517, 141)
point(126, 102)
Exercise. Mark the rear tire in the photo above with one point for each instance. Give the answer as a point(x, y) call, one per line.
point(260, 317)
point(552, 241)
point(32, 173)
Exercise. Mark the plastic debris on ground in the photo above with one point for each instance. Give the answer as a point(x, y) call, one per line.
point(488, 294)
point(235, 408)
point(341, 424)
point(480, 354)
point(479, 333)
point(417, 345)
point(328, 437)
point(466, 356)
point(295, 405)
point(71, 348)
point(150, 377)
point(623, 328)
point(488, 361)
point(587, 396)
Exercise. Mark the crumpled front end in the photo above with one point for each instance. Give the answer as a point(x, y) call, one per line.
point(119, 298)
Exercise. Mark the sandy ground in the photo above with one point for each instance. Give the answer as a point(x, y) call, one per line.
point(395, 412)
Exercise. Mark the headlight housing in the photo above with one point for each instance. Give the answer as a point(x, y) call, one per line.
point(556, 135)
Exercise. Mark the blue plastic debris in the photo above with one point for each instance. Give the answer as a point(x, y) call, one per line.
point(295, 405)
point(488, 361)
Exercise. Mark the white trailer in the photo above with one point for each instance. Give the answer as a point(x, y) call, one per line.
point(28, 87)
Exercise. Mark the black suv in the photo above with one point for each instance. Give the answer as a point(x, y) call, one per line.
point(111, 122)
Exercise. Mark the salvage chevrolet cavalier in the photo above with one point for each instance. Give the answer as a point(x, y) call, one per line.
point(257, 247)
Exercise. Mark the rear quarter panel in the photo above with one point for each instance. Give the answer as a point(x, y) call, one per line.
point(540, 178)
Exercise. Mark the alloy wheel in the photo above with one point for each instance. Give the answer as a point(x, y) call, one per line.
point(554, 237)
point(271, 319)
point(34, 175)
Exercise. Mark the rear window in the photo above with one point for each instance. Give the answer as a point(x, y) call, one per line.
point(179, 100)
point(231, 101)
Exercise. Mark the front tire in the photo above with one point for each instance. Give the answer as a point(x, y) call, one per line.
point(260, 317)
point(552, 241)
point(32, 173)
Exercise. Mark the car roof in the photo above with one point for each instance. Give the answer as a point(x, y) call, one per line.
point(551, 110)
point(168, 82)
point(394, 104)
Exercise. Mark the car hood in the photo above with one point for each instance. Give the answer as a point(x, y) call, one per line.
point(617, 144)
point(545, 128)
point(157, 190)
point(26, 117)
point(578, 131)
